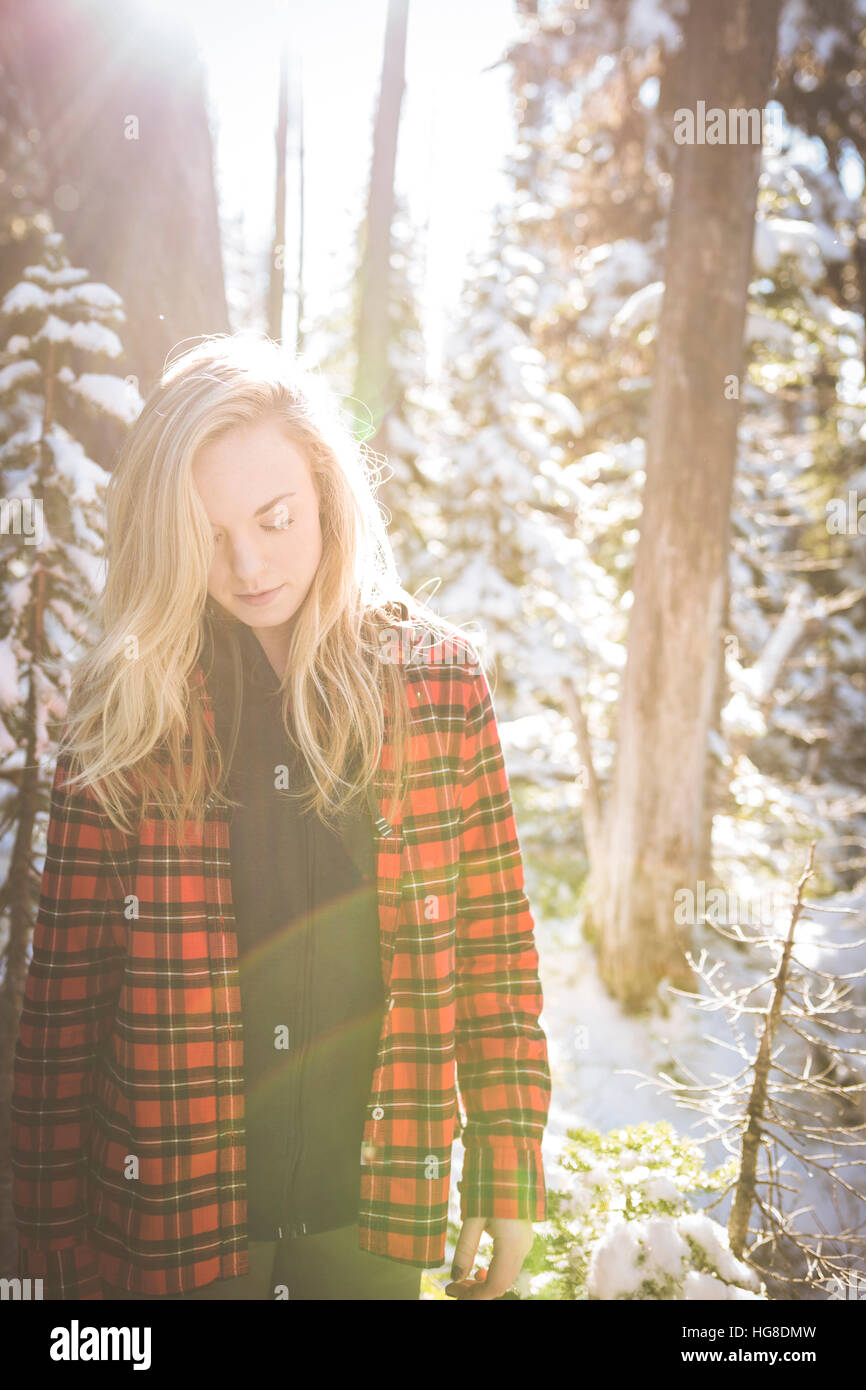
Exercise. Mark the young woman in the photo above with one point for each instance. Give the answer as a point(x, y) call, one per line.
point(282, 916)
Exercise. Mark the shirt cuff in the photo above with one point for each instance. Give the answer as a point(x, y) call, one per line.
point(503, 1177)
point(70, 1273)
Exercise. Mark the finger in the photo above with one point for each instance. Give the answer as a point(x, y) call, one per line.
point(462, 1287)
point(469, 1287)
point(502, 1271)
point(467, 1247)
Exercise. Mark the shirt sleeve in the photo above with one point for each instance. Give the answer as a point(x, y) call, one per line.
point(502, 1061)
point(68, 1005)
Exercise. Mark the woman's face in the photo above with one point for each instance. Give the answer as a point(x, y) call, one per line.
point(257, 489)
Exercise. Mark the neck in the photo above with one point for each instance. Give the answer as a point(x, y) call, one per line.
point(274, 642)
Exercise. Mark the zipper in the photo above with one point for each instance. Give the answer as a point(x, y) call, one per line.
point(385, 828)
point(293, 1168)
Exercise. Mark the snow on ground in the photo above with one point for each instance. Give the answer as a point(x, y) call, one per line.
point(592, 1045)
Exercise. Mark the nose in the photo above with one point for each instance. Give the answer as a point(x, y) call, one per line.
point(247, 566)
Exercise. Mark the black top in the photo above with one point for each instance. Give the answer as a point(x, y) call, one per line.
point(310, 976)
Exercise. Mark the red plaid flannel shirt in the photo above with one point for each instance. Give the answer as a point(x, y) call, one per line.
point(127, 1109)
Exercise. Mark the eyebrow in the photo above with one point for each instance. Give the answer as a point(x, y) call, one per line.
point(273, 501)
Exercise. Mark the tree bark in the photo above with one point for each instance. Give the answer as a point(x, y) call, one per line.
point(119, 99)
point(277, 283)
point(718, 780)
point(19, 887)
point(302, 191)
point(654, 818)
point(372, 378)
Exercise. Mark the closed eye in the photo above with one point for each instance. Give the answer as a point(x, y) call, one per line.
point(283, 526)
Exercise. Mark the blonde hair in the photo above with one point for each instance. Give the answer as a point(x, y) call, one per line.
point(134, 711)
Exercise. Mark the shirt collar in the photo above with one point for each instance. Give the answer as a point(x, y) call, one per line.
point(256, 670)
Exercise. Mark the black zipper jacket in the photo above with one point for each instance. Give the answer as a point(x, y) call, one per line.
point(311, 986)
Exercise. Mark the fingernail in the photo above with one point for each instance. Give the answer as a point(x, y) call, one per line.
point(457, 1272)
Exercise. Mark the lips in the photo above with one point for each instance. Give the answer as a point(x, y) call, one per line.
point(261, 597)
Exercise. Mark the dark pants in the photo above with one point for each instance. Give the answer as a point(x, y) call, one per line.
point(325, 1266)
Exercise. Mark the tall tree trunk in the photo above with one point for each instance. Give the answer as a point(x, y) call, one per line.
point(718, 778)
point(654, 818)
point(20, 889)
point(118, 96)
point(372, 378)
point(299, 323)
point(277, 283)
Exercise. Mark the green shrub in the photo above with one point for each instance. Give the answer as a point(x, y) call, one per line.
point(620, 1225)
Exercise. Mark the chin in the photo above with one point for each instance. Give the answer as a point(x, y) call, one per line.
point(272, 615)
point(263, 620)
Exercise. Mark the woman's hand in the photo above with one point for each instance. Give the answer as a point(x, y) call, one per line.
point(512, 1242)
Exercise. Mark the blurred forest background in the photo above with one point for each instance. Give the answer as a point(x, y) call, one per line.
point(636, 465)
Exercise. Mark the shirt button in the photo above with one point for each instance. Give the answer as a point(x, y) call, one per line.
point(390, 1003)
point(378, 1112)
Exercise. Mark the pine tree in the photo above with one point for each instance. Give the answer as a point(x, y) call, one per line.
point(57, 325)
point(591, 169)
point(509, 503)
point(398, 444)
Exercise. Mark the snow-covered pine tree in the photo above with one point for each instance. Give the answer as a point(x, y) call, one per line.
point(406, 492)
point(591, 172)
point(595, 92)
point(509, 505)
point(786, 752)
point(23, 187)
point(793, 716)
point(526, 516)
point(399, 439)
point(399, 443)
point(57, 332)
